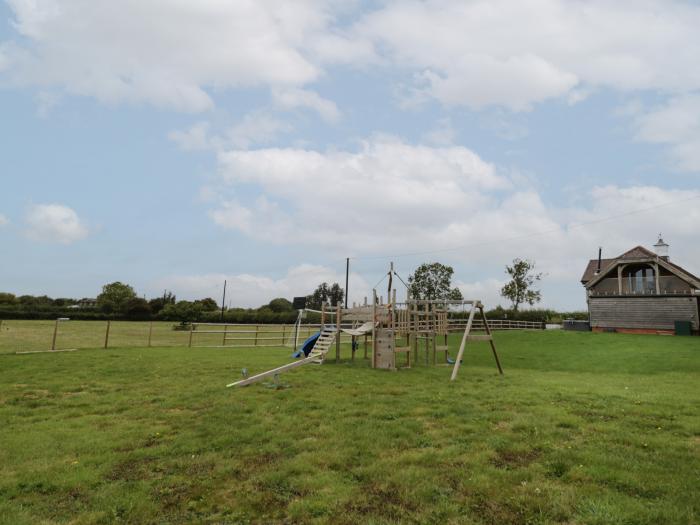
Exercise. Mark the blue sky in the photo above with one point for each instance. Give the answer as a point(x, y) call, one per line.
point(175, 146)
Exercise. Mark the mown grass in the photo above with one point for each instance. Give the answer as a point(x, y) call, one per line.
point(583, 429)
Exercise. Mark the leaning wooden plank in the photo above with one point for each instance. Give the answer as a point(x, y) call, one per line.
point(263, 375)
point(493, 345)
point(458, 361)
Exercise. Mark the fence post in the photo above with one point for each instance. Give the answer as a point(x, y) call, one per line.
point(150, 333)
point(223, 341)
point(55, 333)
point(107, 334)
point(189, 344)
point(283, 328)
point(257, 327)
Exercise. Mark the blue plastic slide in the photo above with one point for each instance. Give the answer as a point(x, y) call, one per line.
point(307, 345)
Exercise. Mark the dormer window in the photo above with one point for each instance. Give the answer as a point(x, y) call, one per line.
point(639, 278)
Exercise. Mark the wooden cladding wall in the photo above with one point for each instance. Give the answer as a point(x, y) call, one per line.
point(643, 312)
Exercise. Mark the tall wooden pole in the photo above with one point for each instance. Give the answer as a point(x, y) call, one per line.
point(150, 333)
point(337, 332)
point(55, 332)
point(107, 334)
point(347, 278)
point(223, 302)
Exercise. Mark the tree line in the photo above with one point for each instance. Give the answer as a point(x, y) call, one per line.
point(118, 300)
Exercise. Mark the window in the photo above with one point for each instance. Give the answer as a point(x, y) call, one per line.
point(639, 279)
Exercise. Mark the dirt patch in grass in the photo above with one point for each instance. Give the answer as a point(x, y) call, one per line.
point(379, 500)
point(132, 469)
point(510, 459)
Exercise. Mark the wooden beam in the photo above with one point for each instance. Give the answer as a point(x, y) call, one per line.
point(493, 345)
point(274, 371)
point(468, 328)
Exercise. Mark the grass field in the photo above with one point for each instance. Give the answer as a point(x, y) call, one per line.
point(583, 429)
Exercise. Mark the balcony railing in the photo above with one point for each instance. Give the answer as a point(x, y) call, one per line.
point(668, 285)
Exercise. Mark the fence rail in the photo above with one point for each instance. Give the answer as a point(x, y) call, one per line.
point(60, 335)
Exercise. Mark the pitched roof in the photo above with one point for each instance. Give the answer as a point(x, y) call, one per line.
point(592, 267)
point(638, 252)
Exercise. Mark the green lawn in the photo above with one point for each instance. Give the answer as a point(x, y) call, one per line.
point(583, 429)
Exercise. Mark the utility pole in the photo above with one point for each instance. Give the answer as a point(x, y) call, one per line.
point(223, 302)
point(347, 275)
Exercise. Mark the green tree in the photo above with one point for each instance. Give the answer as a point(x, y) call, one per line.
point(280, 305)
point(114, 297)
point(137, 308)
point(433, 281)
point(7, 298)
point(183, 311)
point(522, 279)
point(325, 293)
point(158, 303)
point(208, 304)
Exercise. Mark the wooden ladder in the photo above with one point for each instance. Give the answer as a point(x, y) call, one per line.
point(317, 355)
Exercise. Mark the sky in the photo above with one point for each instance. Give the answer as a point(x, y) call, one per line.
point(174, 145)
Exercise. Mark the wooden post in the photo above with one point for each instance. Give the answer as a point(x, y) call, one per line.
point(107, 334)
point(223, 341)
point(323, 315)
point(150, 333)
point(488, 332)
point(283, 330)
point(458, 360)
point(619, 279)
point(55, 333)
point(189, 343)
point(374, 331)
point(337, 333)
point(656, 279)
point(257, 327)
point(366, 345)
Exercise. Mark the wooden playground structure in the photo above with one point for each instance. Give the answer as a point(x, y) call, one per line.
point(394, 329)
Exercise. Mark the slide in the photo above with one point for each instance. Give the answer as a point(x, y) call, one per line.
point(307, 345)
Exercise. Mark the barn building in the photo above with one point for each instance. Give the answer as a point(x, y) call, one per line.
point(641, 292)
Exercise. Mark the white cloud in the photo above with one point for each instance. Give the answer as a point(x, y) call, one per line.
point(376, 195)
point(476, 54)
point(487, 291)
point(676, 123)
point(302, 98)
point(515, 54)
point(170, 54)
point(4, 221)
point(196, 138)
point(257, 127)
point(54, 223)
point(443, 134)
point(249, 290)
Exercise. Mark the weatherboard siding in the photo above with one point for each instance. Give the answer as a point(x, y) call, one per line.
point(643, 312)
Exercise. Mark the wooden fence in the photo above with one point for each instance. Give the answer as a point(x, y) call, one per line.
point(41, 336)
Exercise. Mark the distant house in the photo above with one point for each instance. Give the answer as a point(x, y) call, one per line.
point(87, 302)
point(641, 291)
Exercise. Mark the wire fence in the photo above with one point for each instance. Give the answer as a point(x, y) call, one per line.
point(24, 336)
